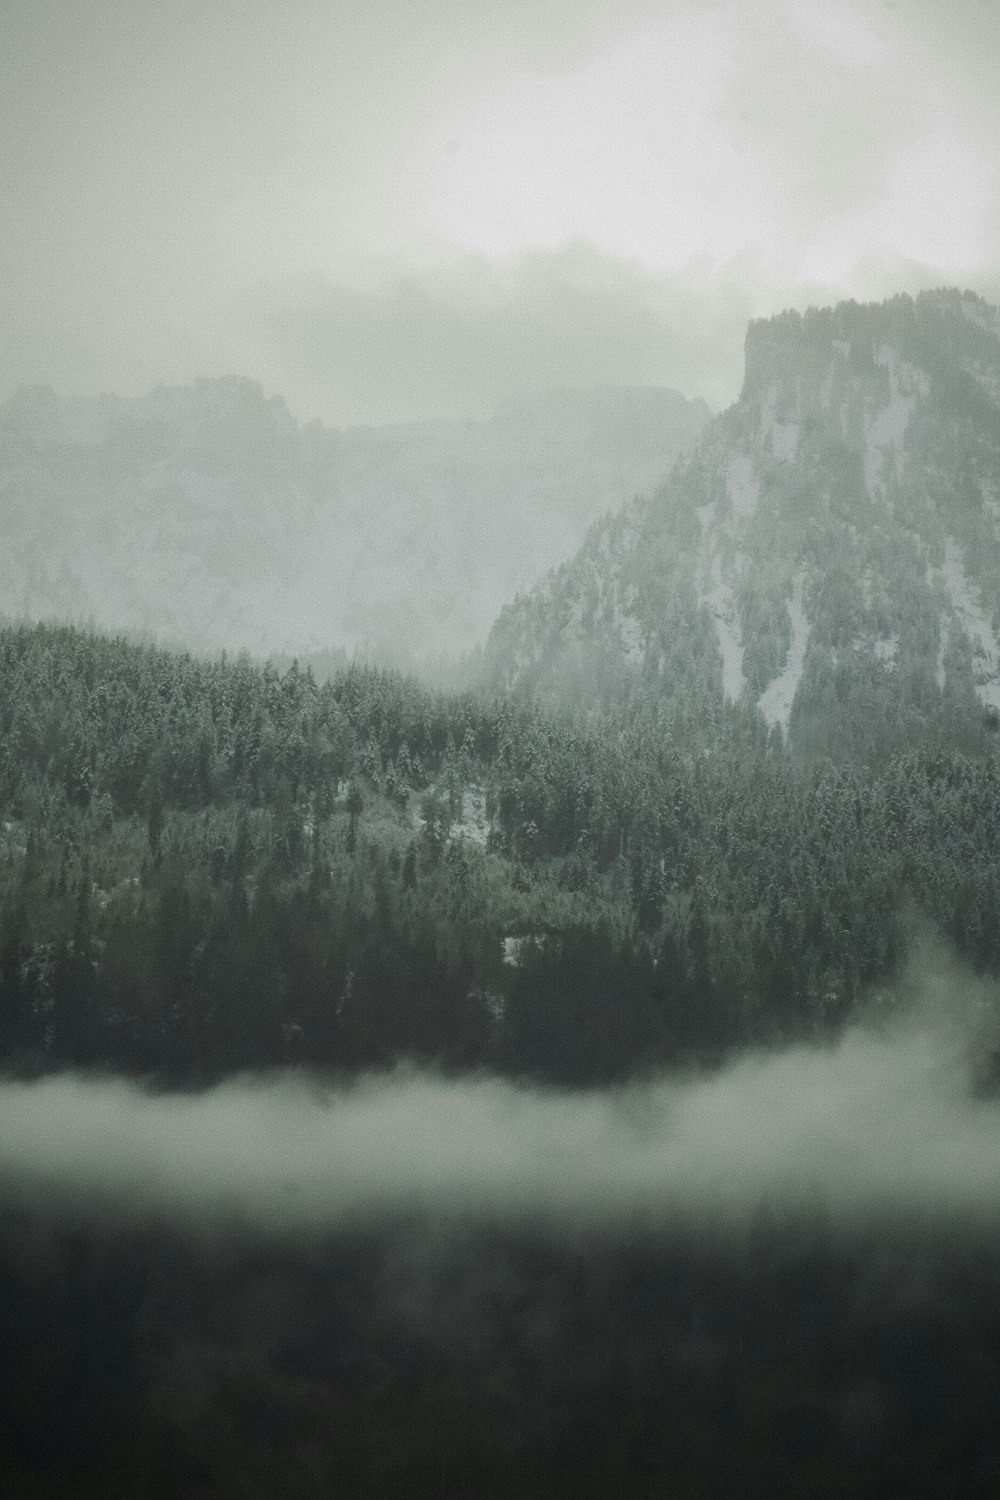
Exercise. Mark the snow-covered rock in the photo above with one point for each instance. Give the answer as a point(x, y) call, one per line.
point(833, 540)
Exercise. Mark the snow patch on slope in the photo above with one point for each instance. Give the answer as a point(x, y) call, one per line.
point(984, 317)
point(767, 407)
point(826, 389)
point(943, 639)
point(986, 379)
point(785, 441)
point(630, 634)
point(975, 624)
point(886, 648)
point(784, 435)
point(473, 825)
point(718, 599)
point(885, 432)
point(743, 486)
point(722, 606)
point(834, 371)
point(776, 700)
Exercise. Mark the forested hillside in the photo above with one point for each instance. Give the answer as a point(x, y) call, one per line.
point(211, 865)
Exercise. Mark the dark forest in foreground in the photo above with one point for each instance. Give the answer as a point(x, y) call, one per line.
point(414, 1360)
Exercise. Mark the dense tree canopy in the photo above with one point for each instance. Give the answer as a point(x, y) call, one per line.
point(209, 865)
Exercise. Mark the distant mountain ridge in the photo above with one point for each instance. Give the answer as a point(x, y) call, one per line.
point(206, 514)
point(828, 556)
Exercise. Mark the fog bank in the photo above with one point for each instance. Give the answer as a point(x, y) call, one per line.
point(879, 1123)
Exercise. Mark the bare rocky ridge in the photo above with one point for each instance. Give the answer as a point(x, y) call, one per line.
point(207, 515)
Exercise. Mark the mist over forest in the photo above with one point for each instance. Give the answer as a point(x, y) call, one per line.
point(499, 760)
point(420, 1282)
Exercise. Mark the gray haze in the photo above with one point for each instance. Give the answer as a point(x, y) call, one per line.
point(882, 1122)
point(205, 515)
point(395, 211)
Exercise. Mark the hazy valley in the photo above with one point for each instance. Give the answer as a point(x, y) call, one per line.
point(207, 516)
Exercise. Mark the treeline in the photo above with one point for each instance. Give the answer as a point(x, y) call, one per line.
point(213, 865)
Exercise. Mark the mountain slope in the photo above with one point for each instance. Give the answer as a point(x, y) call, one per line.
point(206, 514)
point(828, 556)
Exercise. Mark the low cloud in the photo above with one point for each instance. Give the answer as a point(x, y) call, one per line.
point(460, 336)
point(450, 1287)
point(882, 1122)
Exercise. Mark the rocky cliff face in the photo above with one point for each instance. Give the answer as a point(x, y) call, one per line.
point(206, 514)
point(828, 556)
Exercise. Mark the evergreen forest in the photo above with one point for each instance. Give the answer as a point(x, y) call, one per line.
point(211, 866)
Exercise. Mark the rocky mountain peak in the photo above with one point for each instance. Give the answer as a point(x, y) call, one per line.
point(933, 331)
point(827, 558)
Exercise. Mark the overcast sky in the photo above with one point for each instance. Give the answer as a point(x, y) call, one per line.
point(407, 208)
